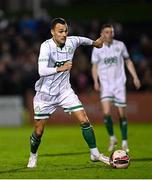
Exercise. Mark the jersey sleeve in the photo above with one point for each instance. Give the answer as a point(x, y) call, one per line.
point(44, 53)
point(78, 40)
point(125, 53)
point(43, 59)
point(94, 56)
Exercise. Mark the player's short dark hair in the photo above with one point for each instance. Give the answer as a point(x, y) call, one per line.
point(106, 26)
point(56, 21)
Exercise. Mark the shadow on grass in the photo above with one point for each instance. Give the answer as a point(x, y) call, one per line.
point(73, 167)
point(63, 154)
point(141, 159)
point(13, 170)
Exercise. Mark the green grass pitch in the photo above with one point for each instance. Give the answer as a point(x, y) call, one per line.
point(64, 154)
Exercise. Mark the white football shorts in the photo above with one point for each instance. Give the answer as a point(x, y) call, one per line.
point(115, 94)
point(45, 105)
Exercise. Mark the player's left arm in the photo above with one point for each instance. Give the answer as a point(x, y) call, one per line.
point(131, 68)
point(78, 40)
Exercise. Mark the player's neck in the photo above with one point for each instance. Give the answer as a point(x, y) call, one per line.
point(108, 43)
point(58, 44)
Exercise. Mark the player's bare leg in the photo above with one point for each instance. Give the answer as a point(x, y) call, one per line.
point(35, 140)
point(89, 136)
point(106, 106)
point(123, 127)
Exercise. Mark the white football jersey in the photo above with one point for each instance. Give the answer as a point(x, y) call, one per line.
point(110, 63)
point(52, 56)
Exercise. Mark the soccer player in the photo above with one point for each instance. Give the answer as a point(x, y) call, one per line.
point(109, 78)
point(53, 89)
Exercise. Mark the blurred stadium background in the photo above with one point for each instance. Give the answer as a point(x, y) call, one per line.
point(24, 25)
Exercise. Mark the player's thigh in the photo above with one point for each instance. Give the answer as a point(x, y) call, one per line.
point(120, 97)
point(106, 97)
point(44, 106)
point(80, 116)
point(70, 102)
point(106, 92)
point(72, 105)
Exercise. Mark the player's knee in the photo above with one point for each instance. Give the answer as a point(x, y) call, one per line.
point(123, 118)
point(107, 111)
point(39, 131)
point(84, 121)
point(82, 117)
point(85, 124)
point(122, 114)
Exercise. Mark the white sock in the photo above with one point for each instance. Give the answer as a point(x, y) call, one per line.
point(95, 152)
point(124, 142)
point(112, 138)
point(33, 154)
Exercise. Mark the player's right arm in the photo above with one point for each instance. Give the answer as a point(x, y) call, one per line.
point(43, 60)
point(94, 60)
point(95, 77)
point(67, 66)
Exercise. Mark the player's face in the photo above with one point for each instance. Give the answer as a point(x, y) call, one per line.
point(60, 33)
point(108, 34)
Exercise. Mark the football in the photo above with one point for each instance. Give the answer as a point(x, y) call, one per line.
point(119, 159)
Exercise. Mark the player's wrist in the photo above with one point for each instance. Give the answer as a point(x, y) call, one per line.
point(59, 69)
point(95, 82)
point(135, 78)
point(93, 42)
point(53, 70)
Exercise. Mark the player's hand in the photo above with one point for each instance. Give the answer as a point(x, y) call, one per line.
point(137, 83)
point(97, 86)
point(99, 42)
point(67, 66)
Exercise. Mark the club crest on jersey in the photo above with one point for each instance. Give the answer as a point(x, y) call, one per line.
point(70, 50)
point(117, 49)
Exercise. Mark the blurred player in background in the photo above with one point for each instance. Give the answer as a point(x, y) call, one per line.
point(53, 89)
point(109, 77)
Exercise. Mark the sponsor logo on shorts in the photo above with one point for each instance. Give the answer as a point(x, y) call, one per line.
point(37, 109)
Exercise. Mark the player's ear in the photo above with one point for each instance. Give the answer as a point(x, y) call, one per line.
point(113, 33)
point(52, 32)
point(67, 30)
